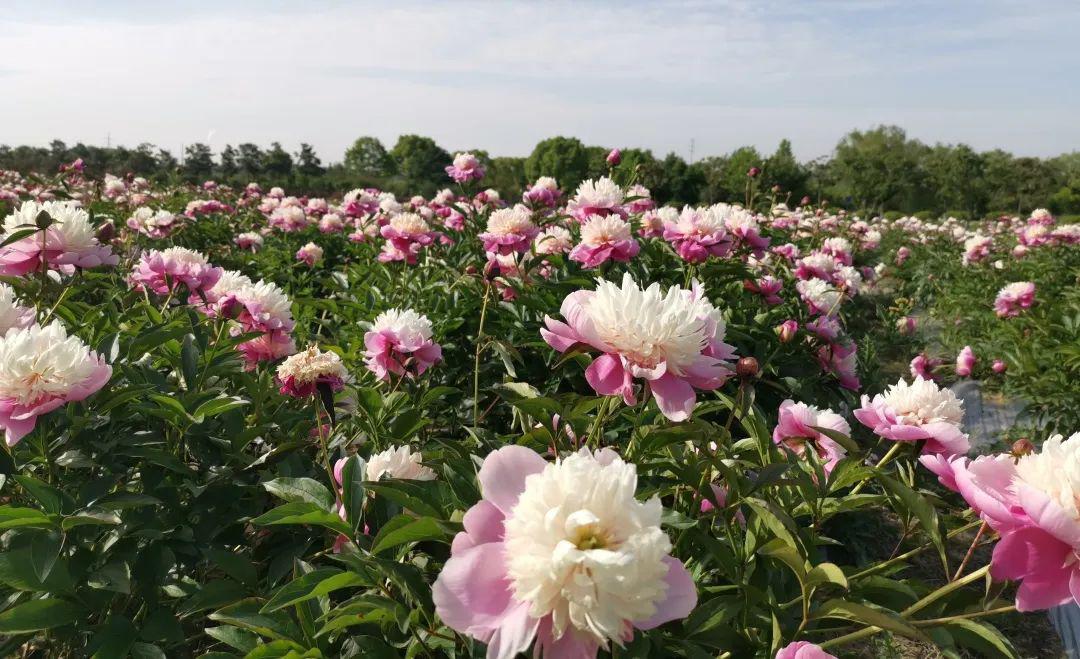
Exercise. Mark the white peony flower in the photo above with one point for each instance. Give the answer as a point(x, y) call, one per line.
point(409, 223)
point(514, 221)
point(553, 240)
point(310, 365)
point(398, 462)
point(605, 230)
point(922, 402)
point(409, 327)
point(581, 548)
point(11, 313)
point(41, 363)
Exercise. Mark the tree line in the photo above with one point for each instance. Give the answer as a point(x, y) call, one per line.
point(870, 170)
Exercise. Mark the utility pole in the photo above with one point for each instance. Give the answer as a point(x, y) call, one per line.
point(691, 151)
point(108, 140)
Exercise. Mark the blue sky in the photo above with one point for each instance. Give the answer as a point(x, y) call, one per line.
point(503, 75)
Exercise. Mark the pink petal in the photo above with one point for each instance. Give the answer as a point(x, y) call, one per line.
point(514, 634)
point(502, 476)
point(680, 600)
point(472, 593)
point(606, 375)
point(674, 396)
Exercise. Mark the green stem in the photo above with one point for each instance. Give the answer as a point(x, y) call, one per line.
point(476, 360)
point(881, 463)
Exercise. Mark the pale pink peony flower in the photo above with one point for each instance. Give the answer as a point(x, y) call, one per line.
point(553, 240)
point(915, 412)
point(269, 347)
point(162, 272)
point(331, 223)
point(538, 561)
point(400, 343)
point(841, 360)
point(923, 366)
point(977, 248)
point(289, 219)
point(673, 340)
point(309, 254)
point(698, 234)
point(999, 366)
point(902, 254)
point(839, 248)
point(786, 330)
point(405, 234)
point(643, 201)
point(795, 429)
point(1014, 297)
point(154, 224)
point(68, 243)
point(820, 296)
point(466, 167)
point(250, 240)
point(509, 230)
point(600, 197)
point(816, 265)
point(803, 650)
point(605, 238)
point(42, 369)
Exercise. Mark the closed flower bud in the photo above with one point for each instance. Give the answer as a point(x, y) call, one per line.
point(1022, 446)
point(746, 368)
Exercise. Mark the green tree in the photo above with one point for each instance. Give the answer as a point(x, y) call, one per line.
point(507, 175)
point(229, 166)
point(954, 174)
point(876, 168)
point(368, 157)
point(781, 168)
point(277, 162)
point(250, 160)
point(563, 158)
point(420, 160)
point(198, 162)
point(308, 162)
point(680, 183)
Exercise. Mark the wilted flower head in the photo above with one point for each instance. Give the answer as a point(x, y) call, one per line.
point(673, 339)
point(301, 374)
point(41, 369)
point(562, 554)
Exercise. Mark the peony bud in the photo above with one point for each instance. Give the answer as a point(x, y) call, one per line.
point(999, 366)
point(753, 172)
point(1022, 446)
point(805, 201)
point(614, 157)
point(746, 368)
point(786, 330)
point(965, 362)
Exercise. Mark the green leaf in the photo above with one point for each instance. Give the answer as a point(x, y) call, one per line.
point(245, 614)
point(36, 615)
point(189, 361)
point(826, 573)
point(352, 489)
point(317, 583)
point(301, 490)
point(302, 512)
point(981, 637)
point(405, 529)
point(212, 408)
point(90, 516)
point(869, 616)
point(50, 498)
point(921, 508)
point(234, 564)
point(12, 517)
point(213, 595)
point(241, 639)
point(114, 639)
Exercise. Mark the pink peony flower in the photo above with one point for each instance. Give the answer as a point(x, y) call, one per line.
point(604, 238)
point(162, 272)
point(915, 412)
point(999, 366)
point(698, 234)
point(643, 199)
point(965, 362)
point(400, 343)
point(1014, 297)
point(249, 240)
point(553, 240)
point(269, 347)
point(466, 168)
point(509, 230)
point(923, 366)
point(673, 340)
point(795, 429)
point(767, 287)
point(405, 234)
point(13, 314)
point(42, 369)
point(536, 563)
point(803, 650)
point(309, 254)
point(68, 243)
point(841, 360)
point(331, 223)
point(600, 197)
point(902, 254)
point(545, 192)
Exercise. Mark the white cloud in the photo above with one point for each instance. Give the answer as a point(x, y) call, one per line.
point(503, 76)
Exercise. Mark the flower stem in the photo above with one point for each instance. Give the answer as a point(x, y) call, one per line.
point(476, 361)
point(881, 463)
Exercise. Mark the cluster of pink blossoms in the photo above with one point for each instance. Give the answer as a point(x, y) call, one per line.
point(1013, 298)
